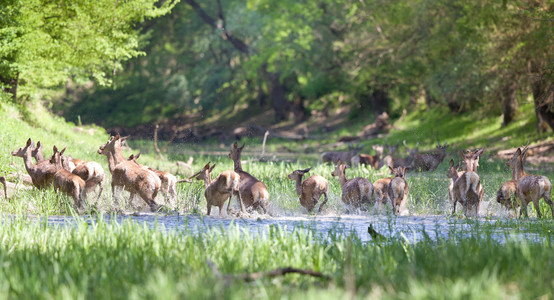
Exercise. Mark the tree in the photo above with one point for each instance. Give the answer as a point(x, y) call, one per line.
point(45, 42)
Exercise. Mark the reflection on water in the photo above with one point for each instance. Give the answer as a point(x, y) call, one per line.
point(410, 228)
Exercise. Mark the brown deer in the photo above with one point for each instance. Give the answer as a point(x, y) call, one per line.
point(530, 188)
point(369, 160)
point(128, 175)
point(471, 163)
point(464, 188)
point(90, 171)
point(507, 195)
point(168, 180)
point(222, 188)
point(381, 189)
point(67, 182)
point(253, 192)
point(356, 191)
point(429, 161)
point(311, 189)
point(42, 173)
point(398, 190)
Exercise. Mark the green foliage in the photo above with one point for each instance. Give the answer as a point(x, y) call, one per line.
point(45, 42)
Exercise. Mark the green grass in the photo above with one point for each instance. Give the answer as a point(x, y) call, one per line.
point(110, 260)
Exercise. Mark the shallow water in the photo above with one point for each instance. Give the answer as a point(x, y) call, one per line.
point(409, 228)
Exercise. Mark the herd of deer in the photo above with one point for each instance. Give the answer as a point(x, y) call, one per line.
point(77, 178)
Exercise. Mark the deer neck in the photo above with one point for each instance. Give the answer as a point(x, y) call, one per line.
point(342, 178)
point(238, 165)
point(112, 161)
point(28, 161)
point(207, 180)
point(298, 186)
point(518, 172)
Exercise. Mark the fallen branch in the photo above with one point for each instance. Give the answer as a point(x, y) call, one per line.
point(164, 147)
point(248, 277)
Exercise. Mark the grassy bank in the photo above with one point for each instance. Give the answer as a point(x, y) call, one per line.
point(109, 260)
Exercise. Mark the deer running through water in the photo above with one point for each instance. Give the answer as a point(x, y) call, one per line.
point(311, 189)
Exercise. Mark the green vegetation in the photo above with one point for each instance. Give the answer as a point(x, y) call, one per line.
point(129, 260)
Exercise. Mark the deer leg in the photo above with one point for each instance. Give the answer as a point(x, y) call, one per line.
point(208, 208)
point(239, 197)
point(537, 208)
point(454, 207)
point(324, 201)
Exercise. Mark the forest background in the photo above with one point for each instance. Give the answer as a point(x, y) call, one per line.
point(130, 63)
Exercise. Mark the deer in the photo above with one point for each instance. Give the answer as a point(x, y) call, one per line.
point(128, 175)
point(311, 189)
point(369, 160)
point(90, 171)
point(356, 191)
point(464, 188)
point(345, 156)
point(67, 182)
point(507, 195)
point(253, 192)
point(388, 160)
point(530, 188)
point(405, 161)
point(168, 180)
point(429, 161)
point(398, 190)
point(381, 189)
point(225, 185)
point(471, 163)
point(42, 173)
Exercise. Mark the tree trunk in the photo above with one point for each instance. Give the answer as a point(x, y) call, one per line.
point(377, 102)
point(508, 101)
point(543, 97)
point(298, 109)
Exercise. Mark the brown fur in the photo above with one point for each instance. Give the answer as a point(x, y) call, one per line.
point(369, 160)
point(464, 188)
point(67, 182)
point(357, 191)
point(222, 188)
point(398, 190)
point(429, 161)
point(128, 175)
point(42, 173)
point(168, 180)
point(3, 181)
point(311, 189)
point(507, 194)
point(253, 192)
point(530, 188)
point(381, 190)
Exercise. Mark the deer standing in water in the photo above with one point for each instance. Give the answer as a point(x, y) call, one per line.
point(222, 188)
point(253, 192)
point(42, 173)
point(429, 161)
point(128, 175)
point(464, 188)
point(67, 182)
point(530, 188)
point(356, 191)
point(398, 190)
point(168, 180)
point(90, 171)
point(388, 160)
point(311, 189)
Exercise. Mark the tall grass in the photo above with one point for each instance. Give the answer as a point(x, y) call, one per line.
point(105, 260)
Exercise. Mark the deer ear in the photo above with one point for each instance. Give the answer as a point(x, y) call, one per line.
point(235, 145)
point(28, 142)
point(479, 152)
point(242, 147)
point(123, 139)
point(211, 169)
point(116, 137)
point(38, 144)
point(131, 157)
point(391, 169)
point(307, 170)
point(451, 163)
point(518, 151)
point(63, 150)
point(137, 156)
point(55, 149)
point(207, 166)
point(339, 162)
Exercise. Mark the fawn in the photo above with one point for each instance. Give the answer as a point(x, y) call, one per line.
point(253, 192)
point(311, 189)
point(219, 190)
point(356, 191)
point(530, 188)
point(168, 180)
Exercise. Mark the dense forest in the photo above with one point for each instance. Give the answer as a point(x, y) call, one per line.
point(126, 63)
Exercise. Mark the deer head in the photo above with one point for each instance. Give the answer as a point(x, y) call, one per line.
point(23, 150)
point(236, 152)
point(298, 174)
